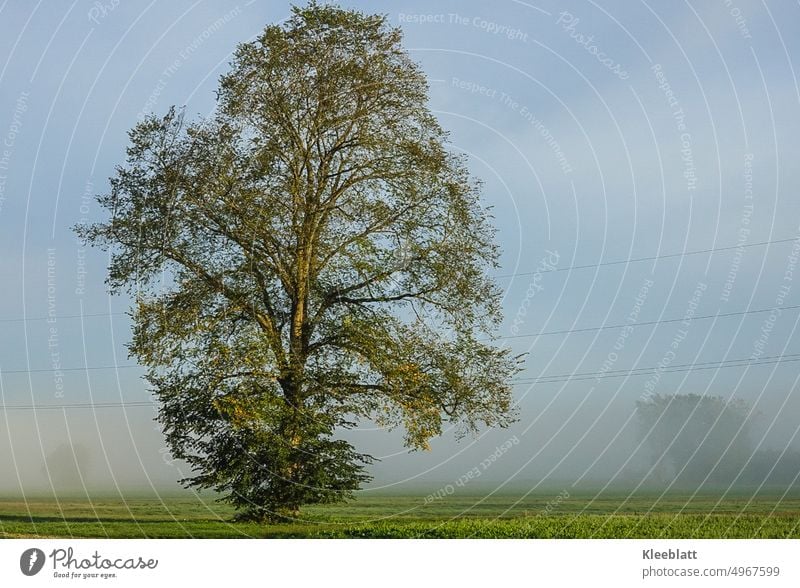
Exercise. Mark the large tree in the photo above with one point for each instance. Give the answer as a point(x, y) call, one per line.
point(310, 255)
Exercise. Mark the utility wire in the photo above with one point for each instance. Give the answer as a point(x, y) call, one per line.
point(71, 369)
point(501, 276)
point(523, 335)
point(60, 317)
point(648, 323)
point(77, 405)
point(743, 362)
point(640, 259)
point(519, 336)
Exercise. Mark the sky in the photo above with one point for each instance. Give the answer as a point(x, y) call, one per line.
point(638, 158)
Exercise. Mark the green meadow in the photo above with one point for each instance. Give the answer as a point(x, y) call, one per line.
point(373, 515)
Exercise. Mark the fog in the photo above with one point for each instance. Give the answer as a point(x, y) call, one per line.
point(649, 229)
point(581, 444)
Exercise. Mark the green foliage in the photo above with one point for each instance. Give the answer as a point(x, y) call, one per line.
point(310, 255)
point(696, 439)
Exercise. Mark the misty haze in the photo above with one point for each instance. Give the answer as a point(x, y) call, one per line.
point(634, 166)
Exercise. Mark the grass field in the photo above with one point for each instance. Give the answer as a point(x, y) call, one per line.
point(372, 515)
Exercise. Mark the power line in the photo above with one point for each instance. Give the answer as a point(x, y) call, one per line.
point(501, 276)
point(640, 259)
point(72, 369)
point(700, 366)
point(61, 317)
point(523, 335)
point(649, 369)
point(77, 405)
point(649, 323)
point(520, 336)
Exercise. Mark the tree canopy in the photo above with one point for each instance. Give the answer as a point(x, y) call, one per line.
point(312, 254)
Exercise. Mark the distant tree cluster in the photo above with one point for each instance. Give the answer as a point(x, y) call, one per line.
point(708, 440)
point(695, 439)
point(773, 468)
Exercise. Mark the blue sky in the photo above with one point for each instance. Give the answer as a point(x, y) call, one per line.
point(603, 131)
